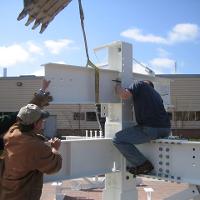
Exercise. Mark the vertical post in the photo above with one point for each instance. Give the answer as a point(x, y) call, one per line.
point(120, 185)
point(4, 72)
point(58, 190)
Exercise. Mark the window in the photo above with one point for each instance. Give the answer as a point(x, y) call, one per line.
point(177, 116)
point(191, 116)
point(198, 116)
point(187, 116)
point(91, 116)
point(79, 116)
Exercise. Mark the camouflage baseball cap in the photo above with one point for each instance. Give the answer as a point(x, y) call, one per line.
point(31, 113)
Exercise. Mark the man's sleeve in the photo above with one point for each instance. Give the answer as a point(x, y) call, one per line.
point(135, 87)
point(47, 161)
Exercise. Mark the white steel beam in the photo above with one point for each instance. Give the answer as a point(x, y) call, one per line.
point(85, 158)
point(82, 158)
point(75, 84)
point(174, 160)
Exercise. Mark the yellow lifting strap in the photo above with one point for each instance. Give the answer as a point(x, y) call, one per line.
point(89, 63)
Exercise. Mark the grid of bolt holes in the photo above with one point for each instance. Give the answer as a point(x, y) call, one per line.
point(164, 164)
point(194, 157)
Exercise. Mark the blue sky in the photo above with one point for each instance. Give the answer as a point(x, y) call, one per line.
point(161, 32)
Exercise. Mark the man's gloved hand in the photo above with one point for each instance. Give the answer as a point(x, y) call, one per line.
point(42, 99)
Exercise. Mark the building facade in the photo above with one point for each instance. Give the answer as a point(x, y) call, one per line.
point(71, 119)
point(185, 97)
point(75, 119)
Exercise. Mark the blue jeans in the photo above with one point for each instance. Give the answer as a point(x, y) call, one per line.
point(125, 139)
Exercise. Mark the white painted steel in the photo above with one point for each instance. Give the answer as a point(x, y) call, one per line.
point(148, 191)
point(75, 84)
point(89, 157)
point(86, 157)
point(120, 185)
point(174, 160)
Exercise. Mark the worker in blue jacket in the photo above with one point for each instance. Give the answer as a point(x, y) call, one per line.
point(152, 123)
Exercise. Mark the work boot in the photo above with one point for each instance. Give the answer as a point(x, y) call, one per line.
point(132, 170)
point(144, 168)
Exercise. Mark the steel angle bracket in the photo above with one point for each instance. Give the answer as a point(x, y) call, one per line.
point(41, 12)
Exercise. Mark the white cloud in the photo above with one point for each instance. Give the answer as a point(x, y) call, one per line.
point(162, 62)
point(137, 35)
point(14, 54)
point(184, 32)
point(61, 62)
point(55, 47)
point(33, 48)
point(162, 65)
point(162, 52)
point(39, 72)
point(27, 52)
point(139, 69)
point(179, 33)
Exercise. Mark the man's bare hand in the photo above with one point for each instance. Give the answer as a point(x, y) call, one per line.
point(55, 143)
point(122, 92)
point(45, 84)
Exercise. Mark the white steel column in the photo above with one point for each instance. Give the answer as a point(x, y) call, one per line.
point(119, 185)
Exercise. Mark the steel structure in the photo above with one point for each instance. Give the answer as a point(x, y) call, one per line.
point(42, 12)
point(174, 160)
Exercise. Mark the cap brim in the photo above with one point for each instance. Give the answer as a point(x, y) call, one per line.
point(44, 114)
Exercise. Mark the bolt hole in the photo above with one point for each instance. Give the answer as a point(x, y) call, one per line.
point(167, 149)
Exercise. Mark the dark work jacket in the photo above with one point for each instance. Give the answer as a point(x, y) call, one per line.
point(5, 123)
point(26, 158)
point(148, 106)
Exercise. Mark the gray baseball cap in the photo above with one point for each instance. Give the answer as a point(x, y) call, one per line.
point(31, 113)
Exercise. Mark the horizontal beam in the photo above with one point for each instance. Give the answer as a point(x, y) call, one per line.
point(173, 160)
point(85, 158)
point(74, 84)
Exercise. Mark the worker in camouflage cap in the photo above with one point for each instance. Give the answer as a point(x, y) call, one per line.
point(41, 99)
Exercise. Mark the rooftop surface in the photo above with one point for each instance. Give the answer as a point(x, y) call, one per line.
point(161, 189)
